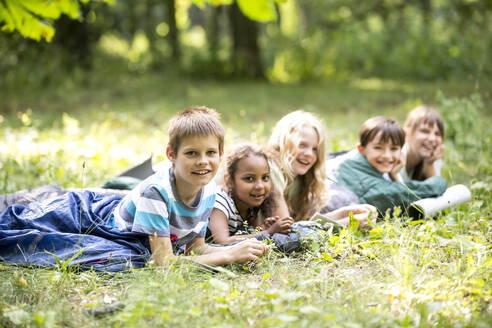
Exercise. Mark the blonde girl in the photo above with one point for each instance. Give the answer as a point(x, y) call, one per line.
point(297, 149)
point(424, 148)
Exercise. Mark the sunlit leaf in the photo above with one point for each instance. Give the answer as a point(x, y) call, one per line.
point(33, 18)
point(354, 223)
point(260, 10)
point(52, 9)
point(327, 257)
point(376, 233)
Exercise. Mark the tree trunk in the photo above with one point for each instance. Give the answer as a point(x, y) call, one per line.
point(213, 32)
point(75, 38)
point(426, 8)
point(173, 30)
point(149, 27)
point(246, 52)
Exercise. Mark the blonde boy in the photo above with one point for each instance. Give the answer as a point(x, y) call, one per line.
point(173, 206)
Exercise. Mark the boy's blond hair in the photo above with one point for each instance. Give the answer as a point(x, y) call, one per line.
point(285, 137)
point(195, 121)
point(426, 115)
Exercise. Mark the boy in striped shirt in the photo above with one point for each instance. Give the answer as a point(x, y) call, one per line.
point(173, 205)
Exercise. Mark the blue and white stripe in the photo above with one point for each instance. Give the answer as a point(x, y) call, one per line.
point(153, 207)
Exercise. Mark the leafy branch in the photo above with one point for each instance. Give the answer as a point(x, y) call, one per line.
point(34, 18)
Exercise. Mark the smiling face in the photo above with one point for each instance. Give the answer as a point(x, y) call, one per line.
point(381, 155)
point(423, 140)
point(195, 163)
point(306, 151)
point(251, 182)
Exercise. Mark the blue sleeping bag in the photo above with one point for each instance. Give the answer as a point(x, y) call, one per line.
point(65, 225)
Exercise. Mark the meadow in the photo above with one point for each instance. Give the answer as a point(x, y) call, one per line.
point(83, 130)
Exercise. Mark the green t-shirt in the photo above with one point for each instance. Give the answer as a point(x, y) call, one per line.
point(280, 183)
point(353, 171)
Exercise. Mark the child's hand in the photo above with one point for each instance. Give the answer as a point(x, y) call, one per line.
point(362, 212)
point(428, 164)
point(370, 214)
point(270, 221)
point(400, 163)
point(280, 225)
point(357, 209)
point(248, 250)
point(438, 153)
point(365, 218)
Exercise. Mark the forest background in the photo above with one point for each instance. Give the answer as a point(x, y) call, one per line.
point(87, 89)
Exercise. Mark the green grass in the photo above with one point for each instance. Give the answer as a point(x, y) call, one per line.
point(435, 273)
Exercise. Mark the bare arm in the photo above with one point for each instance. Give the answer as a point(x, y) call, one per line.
point(245, 251)
point(249, 250)
point(219, 227)
point(162, 249)
point(428, 170)
point(281, 209)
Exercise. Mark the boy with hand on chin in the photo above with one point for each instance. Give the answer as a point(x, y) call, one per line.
point(173, 205)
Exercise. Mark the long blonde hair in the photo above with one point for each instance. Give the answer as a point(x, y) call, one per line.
point(281, 146)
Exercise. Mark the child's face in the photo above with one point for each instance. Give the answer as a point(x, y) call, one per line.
point(306, 151)
point(251, 183)
point(381, 155)
point(196, 161)
point(424, 140)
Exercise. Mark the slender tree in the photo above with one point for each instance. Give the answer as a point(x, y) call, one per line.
point(246, 52)
point(173, 35)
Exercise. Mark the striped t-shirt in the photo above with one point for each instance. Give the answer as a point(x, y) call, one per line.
point(153, 207)
point(225, 204)
point(237, 225)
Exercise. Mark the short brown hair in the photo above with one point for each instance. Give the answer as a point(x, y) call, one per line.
point(195, 121)
point(389, 128)
point(426, 115)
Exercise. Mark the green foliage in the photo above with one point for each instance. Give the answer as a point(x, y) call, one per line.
point(66, 266)
point(260, 10)
point(390, 39)
point(29, 17)
point(399, 274)
point(33, 18)
point(469, 135)
point(461, 116)
point(299, 40)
